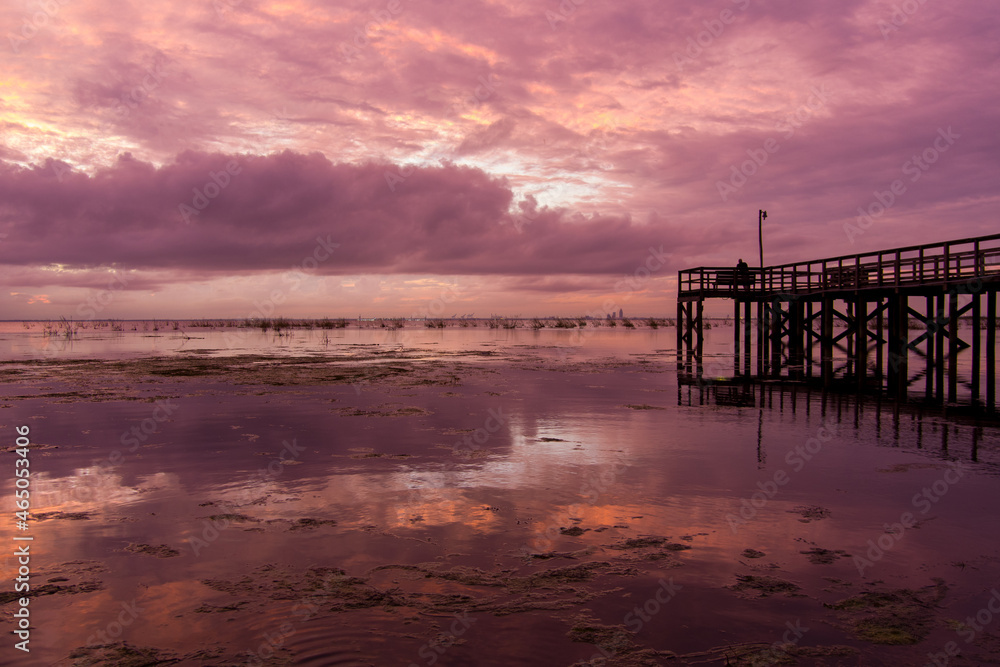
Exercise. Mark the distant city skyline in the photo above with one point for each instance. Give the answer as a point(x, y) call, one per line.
point(391, 158)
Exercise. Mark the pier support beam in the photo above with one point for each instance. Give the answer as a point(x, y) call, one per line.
point(879, 341)
point(929, 355)
point(775, 322)
point(991, 350)
point(826, 342)
point(680, 336)
point(860, 340)
point(897, 371)
point(809, 338)
point(939, 320)
point(747, 331)
point(903, 336)
point(953, 348)
point(698, 326)
point(977, 335)
point(736, 337)
point(760, 338)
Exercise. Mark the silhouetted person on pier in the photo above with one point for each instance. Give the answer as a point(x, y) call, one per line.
point(742, 274)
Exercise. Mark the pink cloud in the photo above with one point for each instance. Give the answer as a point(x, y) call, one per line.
point(212, 213)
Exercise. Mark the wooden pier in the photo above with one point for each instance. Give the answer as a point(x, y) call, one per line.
point(886, 321)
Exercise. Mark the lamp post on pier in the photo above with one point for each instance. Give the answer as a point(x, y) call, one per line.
point(761, 217)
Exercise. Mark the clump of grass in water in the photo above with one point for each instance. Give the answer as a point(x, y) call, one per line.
point(895, 617)
point(498, 322)
point(255, 323)
point(280, 323)
point(627, 323)
point(120, 653)
point(235, 518)
point(611, 638)
point(763, 586)
point(68, 327)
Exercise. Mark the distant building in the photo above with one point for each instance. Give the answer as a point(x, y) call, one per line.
point(621, 313)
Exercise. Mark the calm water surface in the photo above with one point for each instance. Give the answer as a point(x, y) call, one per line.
point(534, 487)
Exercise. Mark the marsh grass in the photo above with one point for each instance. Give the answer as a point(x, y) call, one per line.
point(499, 322)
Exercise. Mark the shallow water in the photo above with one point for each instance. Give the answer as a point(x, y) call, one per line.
point(130, 339)
point(29, 340)
point(588, 478)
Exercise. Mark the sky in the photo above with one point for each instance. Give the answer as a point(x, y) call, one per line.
point(246, 158)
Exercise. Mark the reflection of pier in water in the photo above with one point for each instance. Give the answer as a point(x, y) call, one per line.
point(893, 423)
point(896, 306)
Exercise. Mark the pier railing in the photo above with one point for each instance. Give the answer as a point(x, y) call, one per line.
point(930, 264)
